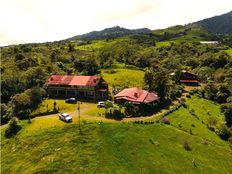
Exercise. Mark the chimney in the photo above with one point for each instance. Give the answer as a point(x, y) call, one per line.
point(136, 94)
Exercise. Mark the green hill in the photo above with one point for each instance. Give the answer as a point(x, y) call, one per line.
point(121, 147)
point(110, 33)
point(221, 24)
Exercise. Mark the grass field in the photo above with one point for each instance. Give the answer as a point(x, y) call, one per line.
point(61, 106)
point(123, 77)
point(229, 51)
point(51, 146)
point(95, 45)
point(162, 44)
point(112, 148)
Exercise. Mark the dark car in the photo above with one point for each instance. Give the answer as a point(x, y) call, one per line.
point(71, 100)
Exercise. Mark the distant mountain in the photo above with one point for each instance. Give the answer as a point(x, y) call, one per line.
point(219, 24)
point(110, 33)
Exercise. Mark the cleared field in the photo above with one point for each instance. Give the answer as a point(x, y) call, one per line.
point(123, 77)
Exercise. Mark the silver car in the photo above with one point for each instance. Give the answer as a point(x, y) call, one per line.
point(65, 117)
point(101, 104)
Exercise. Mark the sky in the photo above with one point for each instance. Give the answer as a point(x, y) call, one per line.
point(29, 21)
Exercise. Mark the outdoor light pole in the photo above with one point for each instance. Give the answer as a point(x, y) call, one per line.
point(79, 117)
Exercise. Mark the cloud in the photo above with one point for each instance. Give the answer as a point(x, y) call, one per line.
point(49, 20)
point(123, 10)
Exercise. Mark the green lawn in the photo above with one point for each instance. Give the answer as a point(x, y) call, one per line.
point(52, 146)
point(61, 106)
point(122, 77)
point(112, 148)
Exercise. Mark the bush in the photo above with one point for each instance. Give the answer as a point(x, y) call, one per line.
point(224, 133)
point(114, 111)
point(227, 110)
point(13, 128)
point(186, 146)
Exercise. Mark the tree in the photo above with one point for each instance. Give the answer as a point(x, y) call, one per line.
point(21, 102)
point(35, 76)
point(55, 56)
point(13, 127)
point(108, 104)
point(222, 94)
point(87, 66)
point(228, 115)
point(161, 84)
point(19, 57)
point(148, 78)
point(4, 109)
point(36, 95)
point(71, 47)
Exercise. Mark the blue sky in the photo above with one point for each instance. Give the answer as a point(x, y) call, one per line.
point(25, 21)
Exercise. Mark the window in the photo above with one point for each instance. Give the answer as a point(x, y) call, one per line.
point(90, 93)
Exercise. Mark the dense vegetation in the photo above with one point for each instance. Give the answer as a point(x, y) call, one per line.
point(218, 24)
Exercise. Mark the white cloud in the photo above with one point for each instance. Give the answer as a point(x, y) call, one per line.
point(48, 20)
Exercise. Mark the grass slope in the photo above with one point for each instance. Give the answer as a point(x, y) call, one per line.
point(112, 148)
point(56, 147)
point(123, 77)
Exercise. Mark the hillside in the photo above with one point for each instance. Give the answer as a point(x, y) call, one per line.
point(219, 24)
point(188, 130)
point(120, 147)
point(110, 33)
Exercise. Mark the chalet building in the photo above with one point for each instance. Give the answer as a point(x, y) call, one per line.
point(85, 87)
point(189, 78)
point(136, 95)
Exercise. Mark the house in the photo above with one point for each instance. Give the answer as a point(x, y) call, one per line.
point(188, 78)
point(209, 42)
point(87, 87)
point(136, 95)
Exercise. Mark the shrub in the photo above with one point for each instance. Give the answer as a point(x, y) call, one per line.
point(13, 128)
point(192, 112)
point(230, 139)
point(190, 131)
point(224, 133)
point(186, 145)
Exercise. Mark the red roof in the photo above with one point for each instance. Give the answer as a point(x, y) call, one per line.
point(188, 81)
point(136, 95)
point(73, 80)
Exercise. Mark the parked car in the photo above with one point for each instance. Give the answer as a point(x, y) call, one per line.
point(101, 104)
point(65, 117)
point(71, 100)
